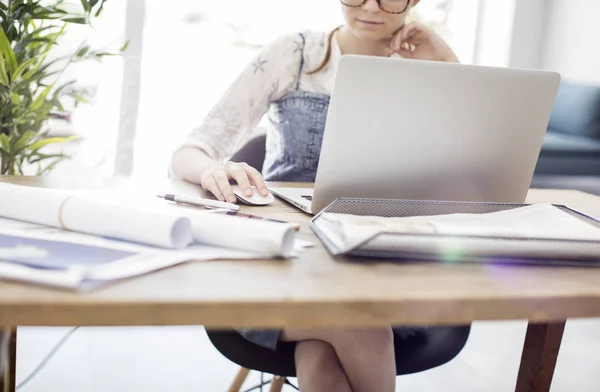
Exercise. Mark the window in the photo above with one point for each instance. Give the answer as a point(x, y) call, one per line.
point(192, 50)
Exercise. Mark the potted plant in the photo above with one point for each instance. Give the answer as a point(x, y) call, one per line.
point(31, 87)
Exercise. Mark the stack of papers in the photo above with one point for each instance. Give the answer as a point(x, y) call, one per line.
point(469, 233)
point(79, 241)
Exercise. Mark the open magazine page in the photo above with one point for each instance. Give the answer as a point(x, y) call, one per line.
point(531, 231)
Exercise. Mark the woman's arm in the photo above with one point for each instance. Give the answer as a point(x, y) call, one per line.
point(189, 162)
point(200, 159)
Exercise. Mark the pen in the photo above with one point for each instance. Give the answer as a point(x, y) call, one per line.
point(196, 201)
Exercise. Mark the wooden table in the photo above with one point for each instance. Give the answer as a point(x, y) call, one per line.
point(316, 290)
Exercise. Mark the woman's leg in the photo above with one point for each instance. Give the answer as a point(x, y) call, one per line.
point(318, 368)
point(366, 355)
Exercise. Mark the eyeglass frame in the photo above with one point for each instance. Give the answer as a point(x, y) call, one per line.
point(379, 4)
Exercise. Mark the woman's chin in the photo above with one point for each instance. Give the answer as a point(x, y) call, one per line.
point(371, 35)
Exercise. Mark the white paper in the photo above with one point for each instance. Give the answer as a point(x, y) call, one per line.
point(540, 221)
point(43, 206)
point(250, 235)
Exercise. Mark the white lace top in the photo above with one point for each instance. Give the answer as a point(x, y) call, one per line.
point(268, 77)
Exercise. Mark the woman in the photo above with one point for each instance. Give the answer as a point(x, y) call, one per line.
point(292, 79)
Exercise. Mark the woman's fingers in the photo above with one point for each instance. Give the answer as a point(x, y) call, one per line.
point(257, 179)
point(393, 43)
point(210, 184)
point(222, 180)
point(217, 181)
point(416, 34)
point(238, 173)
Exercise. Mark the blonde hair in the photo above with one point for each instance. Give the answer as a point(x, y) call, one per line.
point(327, 56)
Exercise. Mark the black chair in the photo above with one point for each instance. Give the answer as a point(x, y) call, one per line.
point(253, 152)
point(428, 349)
point(433, 347)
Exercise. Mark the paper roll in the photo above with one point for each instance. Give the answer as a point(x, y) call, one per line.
point(65, 210)
point(262, 237)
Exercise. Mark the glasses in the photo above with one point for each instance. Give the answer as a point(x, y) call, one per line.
point(389, 6)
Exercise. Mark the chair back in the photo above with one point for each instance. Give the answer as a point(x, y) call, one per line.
point(253, 152)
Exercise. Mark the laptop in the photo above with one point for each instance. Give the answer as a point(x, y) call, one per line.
point(420, 130)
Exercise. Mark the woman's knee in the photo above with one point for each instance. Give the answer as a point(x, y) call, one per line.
point(317, 354)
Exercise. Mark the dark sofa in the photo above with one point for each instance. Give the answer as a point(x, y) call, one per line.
point(572, 143)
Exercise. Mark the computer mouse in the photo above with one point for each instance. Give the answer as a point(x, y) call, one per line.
point(255, 200)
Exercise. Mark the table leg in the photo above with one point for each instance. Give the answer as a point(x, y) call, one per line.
point(540, 352)
point(8, 356)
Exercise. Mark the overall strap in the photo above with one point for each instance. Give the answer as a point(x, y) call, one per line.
point(301, 61)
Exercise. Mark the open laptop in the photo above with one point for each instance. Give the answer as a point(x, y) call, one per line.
point(420, 130)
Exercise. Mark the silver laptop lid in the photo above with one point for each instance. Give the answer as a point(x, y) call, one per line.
point(408, 129)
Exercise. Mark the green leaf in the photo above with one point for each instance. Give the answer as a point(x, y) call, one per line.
point(33, 70)
point(31, 43)
point(79, 98)
point(3, 72)
point(23, 141)
point(93, 3)
point(60, 89)
point(45, 66)
point(15, 99)
point(38, 31)
point(3, 6)
point(75, 20)
point(125, 46)
point(52, 140)
point(8, 53)
point(104, 54)
point(86, 6)
point(97, 14)
point(54, 10)
point(19, 163)
point(25, 65)
point(4, 143)
point(52, 166)
point(83, 51)
point(53, 37)
point(35, 158)
point(37, 78)
point(39, 101)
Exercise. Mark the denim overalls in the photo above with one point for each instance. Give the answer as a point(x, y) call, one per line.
point(295, 134)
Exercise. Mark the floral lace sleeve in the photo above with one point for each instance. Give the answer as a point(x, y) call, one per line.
point(265, 79)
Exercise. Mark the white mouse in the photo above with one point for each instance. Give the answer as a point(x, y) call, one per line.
point(255, 200)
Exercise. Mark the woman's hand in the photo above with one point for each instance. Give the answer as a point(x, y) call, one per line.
point(216, 179)
point(418, 42)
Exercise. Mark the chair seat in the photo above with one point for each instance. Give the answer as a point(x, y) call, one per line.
point(432, 348)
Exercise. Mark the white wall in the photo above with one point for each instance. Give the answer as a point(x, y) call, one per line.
point(494, 33)
point(557, 35)
point(528, 33)
point(572, 40)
